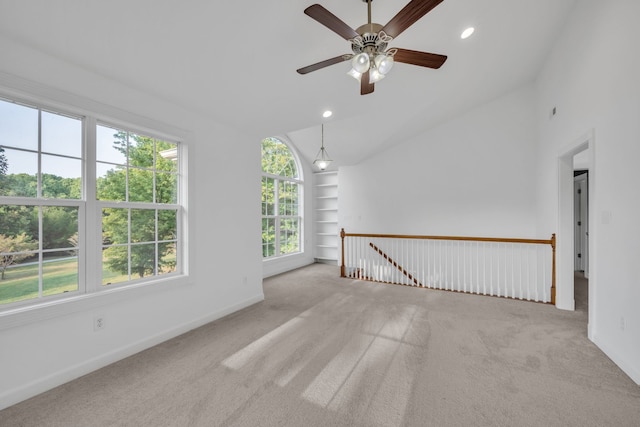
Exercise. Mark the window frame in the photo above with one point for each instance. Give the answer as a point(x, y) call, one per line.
point(39, 201)
point(91, 293)
point(299, 181)
point(131, 205)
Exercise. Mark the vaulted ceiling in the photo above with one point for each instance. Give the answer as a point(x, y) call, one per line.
point(235, 61)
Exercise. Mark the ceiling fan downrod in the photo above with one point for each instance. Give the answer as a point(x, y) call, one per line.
point(369, 9)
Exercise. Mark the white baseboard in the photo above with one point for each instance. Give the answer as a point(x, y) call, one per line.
point(272, 267)
point(627, 368)
point(17, 395)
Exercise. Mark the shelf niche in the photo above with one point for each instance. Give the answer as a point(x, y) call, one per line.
point(326, 217)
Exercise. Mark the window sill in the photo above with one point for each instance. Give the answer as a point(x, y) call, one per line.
point(25, 315)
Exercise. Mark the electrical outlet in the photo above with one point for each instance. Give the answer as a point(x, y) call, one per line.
point(98, 323)
point(622, 323)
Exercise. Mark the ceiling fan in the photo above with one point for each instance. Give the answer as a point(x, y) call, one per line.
point(371, 60)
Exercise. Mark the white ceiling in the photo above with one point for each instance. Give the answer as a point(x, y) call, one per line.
point(235, 61)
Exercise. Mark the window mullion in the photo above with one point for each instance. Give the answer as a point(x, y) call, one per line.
point(40, 254)
point(156, 237)
point(39, 170)
point(276, 214)
point(39, 196)
point(153, 173)
point(129, 243)
point(90, 221)
point(128, 171)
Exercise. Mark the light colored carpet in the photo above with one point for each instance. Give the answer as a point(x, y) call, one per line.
point(325, 351)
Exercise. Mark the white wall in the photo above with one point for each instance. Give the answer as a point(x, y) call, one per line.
point(592, 78)
point(471, 176)
point(224, 238)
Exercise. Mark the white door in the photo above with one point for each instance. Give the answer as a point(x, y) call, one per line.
point(581, 222)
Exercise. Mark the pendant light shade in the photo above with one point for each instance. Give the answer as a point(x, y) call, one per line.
point(322, 158)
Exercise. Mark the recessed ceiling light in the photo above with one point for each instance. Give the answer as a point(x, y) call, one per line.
point(327, 114)
point(467, 33)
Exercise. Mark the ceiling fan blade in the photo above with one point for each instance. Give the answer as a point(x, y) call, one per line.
point(322, 64)
point(366, 87)
point(422, 59)
point(413, 11)
point(331, 21)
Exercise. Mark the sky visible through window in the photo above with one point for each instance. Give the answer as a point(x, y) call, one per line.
point(61, 135)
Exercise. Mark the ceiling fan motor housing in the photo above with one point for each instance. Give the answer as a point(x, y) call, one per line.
point(370, 40)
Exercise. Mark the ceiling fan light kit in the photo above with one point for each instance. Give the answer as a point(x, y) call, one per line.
point(370, 55)
point(371, 60)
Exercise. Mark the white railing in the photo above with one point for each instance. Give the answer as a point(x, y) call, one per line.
point(512, 268)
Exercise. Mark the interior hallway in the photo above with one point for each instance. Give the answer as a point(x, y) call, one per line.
point(581, 292)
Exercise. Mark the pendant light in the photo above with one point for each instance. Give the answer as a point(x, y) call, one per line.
point(322, 159)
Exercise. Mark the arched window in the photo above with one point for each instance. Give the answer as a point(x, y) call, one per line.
point(281, 200)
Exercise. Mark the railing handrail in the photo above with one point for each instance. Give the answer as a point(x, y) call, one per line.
point(551, 242)
point(456, 238)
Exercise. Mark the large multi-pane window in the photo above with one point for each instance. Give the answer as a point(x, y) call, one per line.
point(137, 190)
point(62, 182)
point(281, 200)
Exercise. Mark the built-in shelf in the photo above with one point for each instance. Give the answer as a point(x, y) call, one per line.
point(326, 217)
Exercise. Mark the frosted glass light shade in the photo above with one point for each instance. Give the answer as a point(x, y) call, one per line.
point(356, 75)
point(384, 63)
point(322, 165)
point(375, 75)
point(322, 158)
point(322, 161)
point(361, 62)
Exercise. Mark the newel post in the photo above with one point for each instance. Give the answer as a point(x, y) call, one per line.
point(343, 272)
point(553, 269)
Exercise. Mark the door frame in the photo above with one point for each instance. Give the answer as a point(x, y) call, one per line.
point(565, 239)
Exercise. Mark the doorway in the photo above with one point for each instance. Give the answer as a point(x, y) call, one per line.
point(580, 153)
